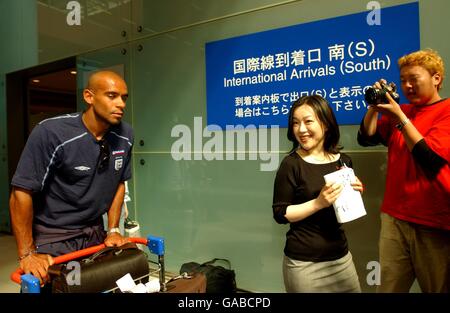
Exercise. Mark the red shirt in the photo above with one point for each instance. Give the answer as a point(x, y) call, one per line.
point(410, 195)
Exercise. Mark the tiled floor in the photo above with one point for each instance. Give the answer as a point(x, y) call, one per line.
point(8, 263)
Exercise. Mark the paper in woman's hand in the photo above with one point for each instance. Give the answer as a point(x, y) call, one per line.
point(349, 205)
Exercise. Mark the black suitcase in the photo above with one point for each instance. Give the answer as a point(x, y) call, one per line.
point(99, 272)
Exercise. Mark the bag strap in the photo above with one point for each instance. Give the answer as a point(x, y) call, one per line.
point(217, 259)
point(105, 250)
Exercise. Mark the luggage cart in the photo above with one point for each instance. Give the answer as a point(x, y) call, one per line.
point(30, 284)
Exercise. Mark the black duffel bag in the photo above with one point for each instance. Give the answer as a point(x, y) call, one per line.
point(100, 271)
point(218, 278)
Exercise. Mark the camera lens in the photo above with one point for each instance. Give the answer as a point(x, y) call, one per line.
point(375, 96)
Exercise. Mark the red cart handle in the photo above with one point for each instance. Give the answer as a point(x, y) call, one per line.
point(15, 276)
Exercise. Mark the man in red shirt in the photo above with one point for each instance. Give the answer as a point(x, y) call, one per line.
point(415, 214)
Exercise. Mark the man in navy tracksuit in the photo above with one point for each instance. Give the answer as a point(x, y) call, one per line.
point(72, 170)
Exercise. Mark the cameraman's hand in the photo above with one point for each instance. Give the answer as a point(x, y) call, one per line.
point(378, 84)
point(391, 109)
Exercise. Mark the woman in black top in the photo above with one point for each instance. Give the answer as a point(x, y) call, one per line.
point(316, 253)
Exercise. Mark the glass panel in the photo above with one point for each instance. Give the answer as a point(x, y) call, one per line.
point(102, 24)
point(19, 35)
point(362, 234)
point(159, 16)
point(212, 209)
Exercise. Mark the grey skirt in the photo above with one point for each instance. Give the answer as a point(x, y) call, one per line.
point(329, 276)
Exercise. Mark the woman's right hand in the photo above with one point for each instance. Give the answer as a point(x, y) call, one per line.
point(37, 265)
point(329, 193)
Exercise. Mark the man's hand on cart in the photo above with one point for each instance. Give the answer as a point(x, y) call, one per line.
point(115, 239)
point(37, 265)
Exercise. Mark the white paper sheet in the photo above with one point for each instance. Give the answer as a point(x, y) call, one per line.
point(349, 205)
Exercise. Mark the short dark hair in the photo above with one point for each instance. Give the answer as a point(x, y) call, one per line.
point(325, 115)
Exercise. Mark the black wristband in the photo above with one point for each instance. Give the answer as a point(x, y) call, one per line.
point(402, 124)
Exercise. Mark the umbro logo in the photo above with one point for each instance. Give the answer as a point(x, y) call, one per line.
point(82, 168)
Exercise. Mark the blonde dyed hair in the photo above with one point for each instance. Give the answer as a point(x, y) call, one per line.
point(428, 59)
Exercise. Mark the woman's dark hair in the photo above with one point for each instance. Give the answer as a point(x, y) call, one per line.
point(325, 115)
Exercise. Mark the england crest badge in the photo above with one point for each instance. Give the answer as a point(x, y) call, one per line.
point(118, 162)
